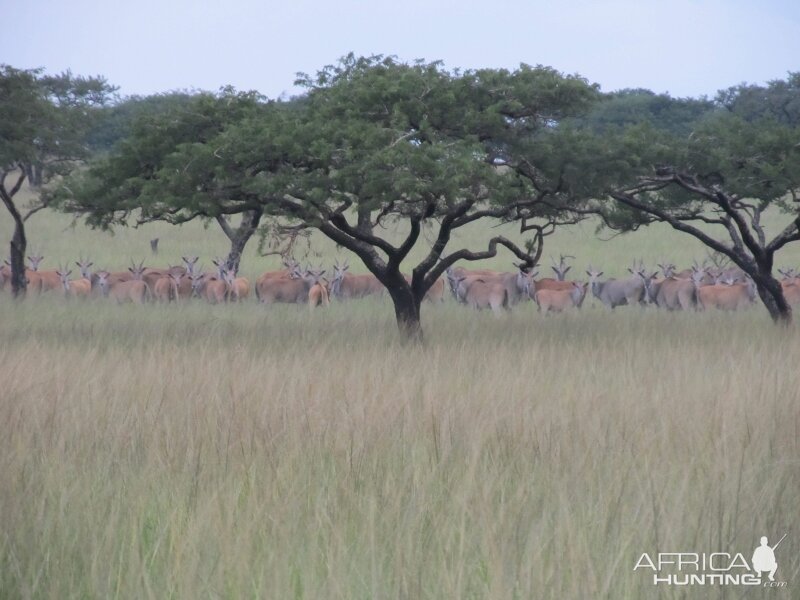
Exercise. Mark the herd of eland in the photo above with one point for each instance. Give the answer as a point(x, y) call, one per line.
point(699, 287)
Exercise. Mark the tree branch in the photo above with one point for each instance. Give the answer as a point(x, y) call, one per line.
point(632, 202)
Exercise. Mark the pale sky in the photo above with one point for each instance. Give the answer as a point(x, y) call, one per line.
point(685, 47)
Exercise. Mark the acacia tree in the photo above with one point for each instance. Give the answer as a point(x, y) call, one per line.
point(373, 141)
point(172, 166)
point(43, 125)
point(717, 183)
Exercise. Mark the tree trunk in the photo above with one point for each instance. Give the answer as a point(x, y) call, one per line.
point(407, 312)
point(771, 294)
point(19, 282)
point(19, 244)
point(240, 236)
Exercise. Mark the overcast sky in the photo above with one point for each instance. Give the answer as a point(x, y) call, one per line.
point(685, 47)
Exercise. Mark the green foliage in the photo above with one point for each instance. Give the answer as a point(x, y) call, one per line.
point(374, 134)
point(44, 119)
point(779, 100)
point(115, 122)
point(624, 108)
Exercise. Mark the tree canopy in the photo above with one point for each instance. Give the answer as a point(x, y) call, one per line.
point(44, 121)
point(376, 140)
point(373, 140)
point(716, 182)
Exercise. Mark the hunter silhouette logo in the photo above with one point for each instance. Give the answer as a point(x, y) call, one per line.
point(764, 558)
point(715, 568)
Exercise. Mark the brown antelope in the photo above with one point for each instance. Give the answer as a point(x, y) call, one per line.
point(345, 286)
point(673, 293)
point(290, 291)
point(85, 267)
point(561, 300)
point(791, 291)
point(151, 275)
point(48, 281)
point(452, 273)
point(791, 285)
point(239, 287)
point(32, 279)
point(727, 296)
point(318, 296)
point(480, 294)
point(78, 288)
point(166, 288)
point(132, 290)
point(211, 289)
point(517, 284)
point(291, 270)
point(435, 293)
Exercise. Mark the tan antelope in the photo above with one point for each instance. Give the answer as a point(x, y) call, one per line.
point(291, 270)
point(318, 296)
point(166, 288)
point(727, 296)
point(517, 284)
point(561, 300)
point(453, 273)
point(239, 287)
point(673, 293)
point(791, 291)
point(209, 288)
point(790, 285)
point(480, 294)
point(345, 286)
point(48, 281)
point(121, 292)
point(85, 267)
point(151, 275)
point(32, 279)
point(435, 293)
point(78, 288)
point(290, 291)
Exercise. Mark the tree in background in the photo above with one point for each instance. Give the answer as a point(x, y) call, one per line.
point(716, 183)
point(174, 166)
point(44, 120)
point(374, 141)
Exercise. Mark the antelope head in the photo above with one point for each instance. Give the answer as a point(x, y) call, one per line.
point(84, 266)
point(137, 271)
point(64, 276)
point(35, 261)
point(102, 282)
point(190, 262)
point(198, 280)
point(221, 266)
point(561, 268)
point(667, 269)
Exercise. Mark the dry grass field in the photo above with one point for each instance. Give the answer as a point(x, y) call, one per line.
point(243, 452)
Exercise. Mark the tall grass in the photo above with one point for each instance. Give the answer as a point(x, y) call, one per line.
point(235, 452)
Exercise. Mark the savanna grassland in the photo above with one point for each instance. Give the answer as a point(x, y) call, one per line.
point(201, 451)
